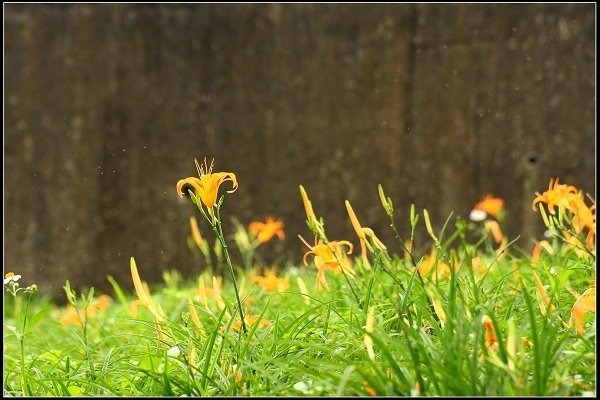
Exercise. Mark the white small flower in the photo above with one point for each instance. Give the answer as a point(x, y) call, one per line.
point(477, 215)
point(174, 351)
point(11, 277)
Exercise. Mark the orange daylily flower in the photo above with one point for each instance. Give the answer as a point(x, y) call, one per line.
point(428, 262)
point(537, 250)
point(102, 302)
point(490, 205)
point(270, 282)
point(264, 231)
point(556, 196)
point(585, 218)
point(491, 341)
point(207, 186)
point(72, 317)
point(494, 228)
point(330, 256)
point(362, 232)
point(250, 320)
point(585, 303)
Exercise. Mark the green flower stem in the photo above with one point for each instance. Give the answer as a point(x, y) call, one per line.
point(215, 223)
point(217, 227)
point(22, 346)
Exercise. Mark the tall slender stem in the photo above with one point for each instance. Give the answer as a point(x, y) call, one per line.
point(22, 347)
point(217, 227)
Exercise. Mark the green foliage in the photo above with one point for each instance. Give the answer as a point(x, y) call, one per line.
point(427, 334)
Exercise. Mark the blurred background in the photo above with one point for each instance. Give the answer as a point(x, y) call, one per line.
point(106, 106)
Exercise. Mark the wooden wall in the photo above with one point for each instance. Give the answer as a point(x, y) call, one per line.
point(106, 106)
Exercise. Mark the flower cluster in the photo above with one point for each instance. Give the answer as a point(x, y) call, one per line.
point(571, 205)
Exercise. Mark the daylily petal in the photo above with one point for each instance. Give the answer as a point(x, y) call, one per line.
point(195, 183)
point(585, 303)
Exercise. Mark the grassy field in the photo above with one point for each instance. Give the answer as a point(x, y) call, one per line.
point(471, 317)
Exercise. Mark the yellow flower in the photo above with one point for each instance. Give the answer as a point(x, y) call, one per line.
point(330, 256)
point(207, 186)
point(491, 205)
point(362, 232)
point(264, 231)
point(585, 303)
point(556, 196)
point(270, 282)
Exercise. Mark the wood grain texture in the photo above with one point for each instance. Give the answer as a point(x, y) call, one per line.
point(106, 106)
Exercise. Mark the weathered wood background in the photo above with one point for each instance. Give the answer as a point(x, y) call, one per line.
point(106, 106)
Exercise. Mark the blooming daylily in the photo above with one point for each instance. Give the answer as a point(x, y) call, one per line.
point(264, 231)
point(585, 303)
point(363, 232)
point(585, 217)
point(560, 196)
point(330, 256)
point(270, 282)
point(207, 186)
point(490, 205)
